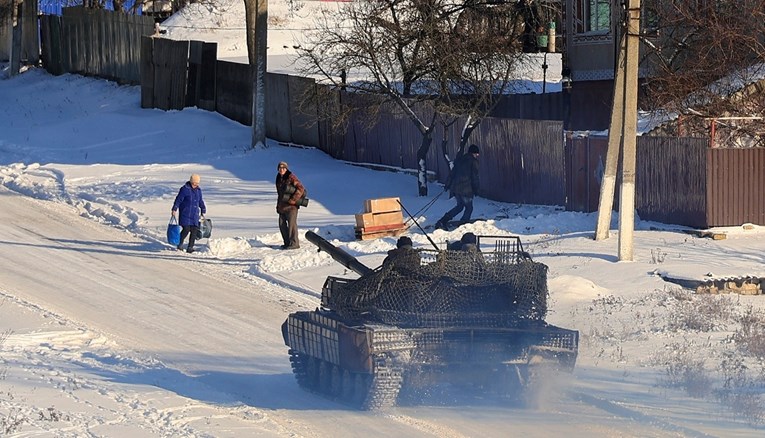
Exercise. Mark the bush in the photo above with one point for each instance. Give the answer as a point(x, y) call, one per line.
point(683, 370)
point(702, 313)
point(750, 336)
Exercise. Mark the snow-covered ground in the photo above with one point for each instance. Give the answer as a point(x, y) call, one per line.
point(106, 330)
point(109, 331)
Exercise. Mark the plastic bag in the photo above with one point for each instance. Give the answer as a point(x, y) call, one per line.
point(173, 232)
point(204, 231)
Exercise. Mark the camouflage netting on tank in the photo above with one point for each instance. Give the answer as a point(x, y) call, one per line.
point(456, 288)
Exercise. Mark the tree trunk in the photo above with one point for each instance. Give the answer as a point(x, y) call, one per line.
point(256, 18)
point(16, 35)
point(422, 170)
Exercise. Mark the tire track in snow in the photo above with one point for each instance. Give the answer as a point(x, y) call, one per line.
point(631, 414)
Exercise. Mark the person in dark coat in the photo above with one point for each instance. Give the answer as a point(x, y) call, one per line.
point(187, 208)
point(463, 184)
point(404, 256)
point(289, 191)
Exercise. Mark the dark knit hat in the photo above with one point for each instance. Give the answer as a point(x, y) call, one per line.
point(468, 238)
point(473, 149)
point(403, 241)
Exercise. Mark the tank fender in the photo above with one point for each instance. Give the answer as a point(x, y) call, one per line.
point(355, 354)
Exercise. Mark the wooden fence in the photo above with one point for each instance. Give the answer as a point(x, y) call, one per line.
point(177, 74)
point(94, 42)
point(679, 180)
point(28, 45)
point(521, 160)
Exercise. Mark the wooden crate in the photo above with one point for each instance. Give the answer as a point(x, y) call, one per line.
point(377, 232)
point(381, 217)
point(365, 220)
point(382, 205)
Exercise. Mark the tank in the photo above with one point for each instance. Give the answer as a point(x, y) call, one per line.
point(427, 319)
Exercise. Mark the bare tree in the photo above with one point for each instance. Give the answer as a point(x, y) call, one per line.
point(707, 65)
point(437, 61)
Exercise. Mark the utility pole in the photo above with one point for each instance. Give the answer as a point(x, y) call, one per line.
point(623, 132)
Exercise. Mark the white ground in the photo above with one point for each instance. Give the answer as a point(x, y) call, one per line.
point(106, 330)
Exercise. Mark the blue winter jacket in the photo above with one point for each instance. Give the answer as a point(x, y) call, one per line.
point(189, 202)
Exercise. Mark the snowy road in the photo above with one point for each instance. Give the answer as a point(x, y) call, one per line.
point(187, 322)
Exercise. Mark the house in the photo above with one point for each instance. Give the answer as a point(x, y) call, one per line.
point(736, 101)
point(159, 9)
point(590, 51)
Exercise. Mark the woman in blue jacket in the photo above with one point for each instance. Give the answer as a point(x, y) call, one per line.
point(187, 208)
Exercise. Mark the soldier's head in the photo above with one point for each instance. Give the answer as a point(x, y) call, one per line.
point(404, 242)
point(473, 149)
point(469, 238)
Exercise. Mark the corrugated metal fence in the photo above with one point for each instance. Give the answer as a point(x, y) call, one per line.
point(678, 180)
point(735, 186)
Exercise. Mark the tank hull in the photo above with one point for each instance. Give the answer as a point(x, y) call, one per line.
point(470, 317)
point(367, 365)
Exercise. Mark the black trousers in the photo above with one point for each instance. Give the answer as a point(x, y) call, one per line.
point(191, 231)
point(288, 227)
point(463, 202)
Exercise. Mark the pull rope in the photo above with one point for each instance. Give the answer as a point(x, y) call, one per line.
point(426, 207)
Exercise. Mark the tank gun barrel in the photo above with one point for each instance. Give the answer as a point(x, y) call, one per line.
point(338, 254)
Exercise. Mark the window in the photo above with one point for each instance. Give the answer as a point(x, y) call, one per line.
point(592, 16)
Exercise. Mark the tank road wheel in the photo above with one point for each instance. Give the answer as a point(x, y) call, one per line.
point(312, 373)
point(325, 377)
point(361, 383)
point(336, 381)
point(346, 394)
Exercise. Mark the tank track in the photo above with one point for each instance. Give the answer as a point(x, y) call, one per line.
point(364, 391)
